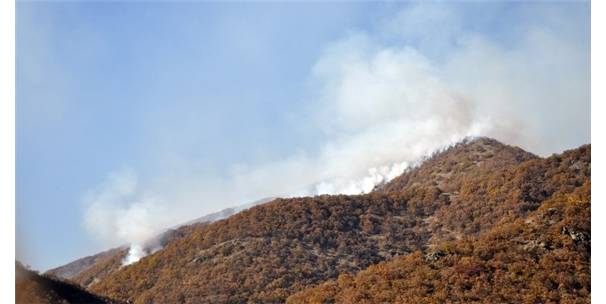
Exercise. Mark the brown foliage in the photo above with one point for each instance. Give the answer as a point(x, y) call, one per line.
point(526, 260)
point(446, 205)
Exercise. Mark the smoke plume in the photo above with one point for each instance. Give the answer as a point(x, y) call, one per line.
point(383, 100)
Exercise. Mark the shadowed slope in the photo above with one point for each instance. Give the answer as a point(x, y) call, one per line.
point(31, 287)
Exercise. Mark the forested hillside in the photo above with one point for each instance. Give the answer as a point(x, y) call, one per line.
point(543, 258)
point(90, 269)
point(472, 195)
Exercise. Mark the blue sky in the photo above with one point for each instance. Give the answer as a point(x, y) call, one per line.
point(166, 111)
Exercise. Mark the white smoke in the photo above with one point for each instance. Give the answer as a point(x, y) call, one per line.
point(135, 253)
point(382, 106)
point(375, 177)
point(120, 213)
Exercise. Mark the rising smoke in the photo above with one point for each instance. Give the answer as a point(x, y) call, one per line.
point(384, 106)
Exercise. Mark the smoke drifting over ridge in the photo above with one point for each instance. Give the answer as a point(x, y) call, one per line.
point(383, 101)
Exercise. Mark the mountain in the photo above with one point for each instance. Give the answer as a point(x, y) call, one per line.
point(31, 287)
point(441, 211)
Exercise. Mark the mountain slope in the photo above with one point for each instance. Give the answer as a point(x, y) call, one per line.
point(271, 251)
point(31, 287)
point(227, 212)
point(89, 270)
point(543, 258)
point(85, 271)
point(73, 269)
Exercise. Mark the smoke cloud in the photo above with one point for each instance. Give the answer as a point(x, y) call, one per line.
point(120, 213)
point(382, 100)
